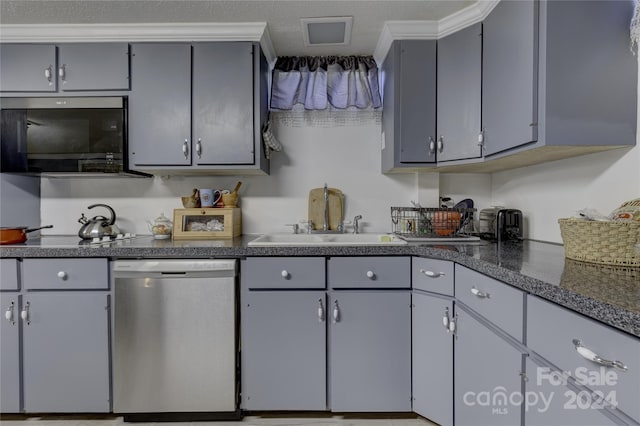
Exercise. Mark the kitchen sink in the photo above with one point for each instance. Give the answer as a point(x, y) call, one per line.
point(326, 240)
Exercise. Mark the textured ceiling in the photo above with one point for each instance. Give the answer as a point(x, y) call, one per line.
point(282, 16)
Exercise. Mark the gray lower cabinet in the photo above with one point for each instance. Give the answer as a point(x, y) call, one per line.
point(550, 400)
point(66, 352)
point(370, 350)
point(10, 351)
point(432, 357)
point(217, 108)
point(603, 360)
point(459, 94)
point(488, 373)
point(284, 350)
point(409, 117)
point(28, 68)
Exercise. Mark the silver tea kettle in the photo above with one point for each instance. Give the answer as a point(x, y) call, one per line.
point(98, 226)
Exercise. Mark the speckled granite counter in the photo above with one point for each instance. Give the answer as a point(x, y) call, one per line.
point(608, 294)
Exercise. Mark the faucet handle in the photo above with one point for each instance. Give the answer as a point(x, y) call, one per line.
point(295, 226)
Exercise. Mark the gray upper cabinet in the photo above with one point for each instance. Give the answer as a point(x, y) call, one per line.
point(93, 66)
point(28, 68)
point(432, 358)
point(459, 94)
point(409, 116)
point(550, 80)
point(509, 75)
point(78, 67)
point(160, 104)
point(223, 103)
point(370, 351)
point(487, 372)
point(197, 107)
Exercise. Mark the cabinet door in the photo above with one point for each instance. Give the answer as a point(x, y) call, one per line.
point(487, 373)
point(418, 101)
point(223, 103)
point(432, 358)
point(160, 105)
point(93, 66)
point(28, 68)
point(370, 351)
point(459, 94)
point(10, 353)
point(551, 403)
point(66, 352)
point(284, 350)
point(509, 75)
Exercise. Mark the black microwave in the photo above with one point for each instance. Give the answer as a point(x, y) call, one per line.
point(62, 137)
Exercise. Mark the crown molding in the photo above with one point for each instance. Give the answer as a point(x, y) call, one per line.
point(81, 33)
point(431, 30)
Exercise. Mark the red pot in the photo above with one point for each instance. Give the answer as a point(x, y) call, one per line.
point(17, 235)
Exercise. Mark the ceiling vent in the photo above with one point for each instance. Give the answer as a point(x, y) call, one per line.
point(327, 31)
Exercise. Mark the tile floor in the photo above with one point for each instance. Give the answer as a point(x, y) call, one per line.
point(262, 420)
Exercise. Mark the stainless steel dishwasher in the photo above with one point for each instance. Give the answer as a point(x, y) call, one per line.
point(175, 344)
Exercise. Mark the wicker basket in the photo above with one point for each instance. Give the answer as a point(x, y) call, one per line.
point(607, 243)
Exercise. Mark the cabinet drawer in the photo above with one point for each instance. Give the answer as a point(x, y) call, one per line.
point(283, 272)
point(9, 274)
point(551, 331)
point(369, 272)
point(65, 274)
point(496, 301)
point(433, 275)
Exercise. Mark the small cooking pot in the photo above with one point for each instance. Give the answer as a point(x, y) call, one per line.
point(17, 235)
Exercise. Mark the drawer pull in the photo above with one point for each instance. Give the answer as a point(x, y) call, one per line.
point(445, 319)
point(371, 275)
point(320, 311)
point(479, 294)
point(336, 312)
point(62, 275)
point(285, 274)
point(588, 354)
point(432, 274)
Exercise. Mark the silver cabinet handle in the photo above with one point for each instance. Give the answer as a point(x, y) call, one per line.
point(432, 146)
point(479, 294)
point(185, 148)
point(481, 138)
point(371, 275)
point(25, 314)
point(62, 72)
point(63, 275)
point(9, 313)
point(335, 315)
point(285, 274)
point(320, 311)
point(432, 274)
point(199, 148)
point(445, 319)
point(440, 143)
point(588, 354)
point(48, 74)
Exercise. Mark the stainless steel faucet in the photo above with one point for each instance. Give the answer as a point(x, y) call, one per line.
point(325, 226)
point(355, 223)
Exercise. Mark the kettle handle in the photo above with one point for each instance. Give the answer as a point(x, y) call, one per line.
point(112, 219)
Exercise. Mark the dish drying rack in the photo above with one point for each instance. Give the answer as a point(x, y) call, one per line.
point(432, 223)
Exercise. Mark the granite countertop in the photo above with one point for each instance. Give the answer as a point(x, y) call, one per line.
point(605, 293)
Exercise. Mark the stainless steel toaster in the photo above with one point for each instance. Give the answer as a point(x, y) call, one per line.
point(498, 223)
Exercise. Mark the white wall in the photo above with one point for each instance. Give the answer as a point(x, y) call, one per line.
point(346, 157)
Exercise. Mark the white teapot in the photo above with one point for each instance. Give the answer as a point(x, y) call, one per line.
point(161, 227)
